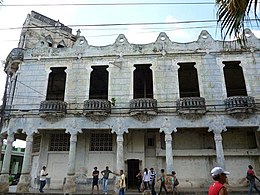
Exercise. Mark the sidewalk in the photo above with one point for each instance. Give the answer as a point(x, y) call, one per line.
point(182, 191)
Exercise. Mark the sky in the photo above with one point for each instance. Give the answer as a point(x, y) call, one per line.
point(178, 20)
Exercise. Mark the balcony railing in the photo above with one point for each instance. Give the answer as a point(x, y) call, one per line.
point(14, 58)
point(53, 107)
point(143, 106)
point(97, 107)
point(240, 104)
point(191, 105)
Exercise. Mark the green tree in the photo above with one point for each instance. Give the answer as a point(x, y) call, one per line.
point(233, 15)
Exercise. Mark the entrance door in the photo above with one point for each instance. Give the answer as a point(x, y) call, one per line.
point(132, 171)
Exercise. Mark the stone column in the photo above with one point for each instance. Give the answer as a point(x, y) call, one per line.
point(169, 156)
point(4, 177)
point(25, 179)
point(119, 152)
point(1, 145)
point(219, 149)
point(70, 185)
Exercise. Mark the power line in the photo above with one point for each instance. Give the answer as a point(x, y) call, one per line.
point(109, 4)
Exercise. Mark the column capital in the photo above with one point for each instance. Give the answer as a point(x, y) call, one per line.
point(168, 137)
point(166, 127)
point(73, 137)
point(29, 138)
point(10, 137)
point(217, 125)
point(120, 137)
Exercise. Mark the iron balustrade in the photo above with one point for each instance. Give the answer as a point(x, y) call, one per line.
point(191, 103)
point(53, 106)
point(143, 104)
point(240, 103)
point(96, 105)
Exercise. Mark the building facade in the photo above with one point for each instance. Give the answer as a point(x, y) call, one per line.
point(179, 106)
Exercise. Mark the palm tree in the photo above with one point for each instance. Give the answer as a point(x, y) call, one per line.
point(232, 16)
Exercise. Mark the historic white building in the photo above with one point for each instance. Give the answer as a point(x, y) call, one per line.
point(179, 106)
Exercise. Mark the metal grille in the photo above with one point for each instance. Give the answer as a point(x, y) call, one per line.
point(60, 142)
point(36, 143)
point(101, 142)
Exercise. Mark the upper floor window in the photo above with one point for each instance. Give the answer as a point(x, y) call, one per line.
point(234, 79)
point(56, 84)
point(188, 80)
point(143, 81)
point(99, 83)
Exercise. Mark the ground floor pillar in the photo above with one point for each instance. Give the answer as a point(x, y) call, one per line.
point(25, 179)
point(4, 177)
point(70, 185)
point(219, 150)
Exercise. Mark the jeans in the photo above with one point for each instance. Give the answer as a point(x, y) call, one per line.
point(42, 184)
point(104, 185)
point(252, 185)
point(121, 191)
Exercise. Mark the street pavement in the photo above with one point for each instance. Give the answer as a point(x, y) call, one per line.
point(182, 191)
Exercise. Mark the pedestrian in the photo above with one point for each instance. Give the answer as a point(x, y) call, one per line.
point(251, 176)
point(220, 178)
point(95, 174)
point(139, 180)
point(175, 182)
point(43, 175)
point(122, 183)
point(152, 175)
point(146, 179)
point(105, 174)
point(162, 179)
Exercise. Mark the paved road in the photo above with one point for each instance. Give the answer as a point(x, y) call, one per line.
point(183, 191)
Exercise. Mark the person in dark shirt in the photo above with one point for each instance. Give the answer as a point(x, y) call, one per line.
point(105, 174)
point(95, 174)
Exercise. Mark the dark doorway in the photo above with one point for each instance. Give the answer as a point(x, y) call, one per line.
point(132, 171)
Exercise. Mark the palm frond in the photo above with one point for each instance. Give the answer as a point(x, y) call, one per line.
point(232, 16)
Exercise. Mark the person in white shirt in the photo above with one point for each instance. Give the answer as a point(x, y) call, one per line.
point(43, 175)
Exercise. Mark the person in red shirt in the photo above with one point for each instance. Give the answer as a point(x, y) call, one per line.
point(251, 178)
point(220, 178)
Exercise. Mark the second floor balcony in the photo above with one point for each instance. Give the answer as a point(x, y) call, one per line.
point(147, 106)
point(53, 108)
point(191, 105)
point(97, 107)
point(14, 58)
point(240, 104)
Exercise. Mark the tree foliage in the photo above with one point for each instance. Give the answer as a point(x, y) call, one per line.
point(233, 15)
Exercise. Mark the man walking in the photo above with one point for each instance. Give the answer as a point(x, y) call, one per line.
point(43, 175)
point(220, 178)
point(251, 178)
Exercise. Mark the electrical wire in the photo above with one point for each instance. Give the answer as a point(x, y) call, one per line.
point(110, 4)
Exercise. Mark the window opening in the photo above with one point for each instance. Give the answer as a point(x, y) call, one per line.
point(99, 83)
point(56, 84)
point(36, 143)
point(101, 142)
point(143, 81)
point(60, 142)
point(234, 79)
point(151, 142)
point(188, 80)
